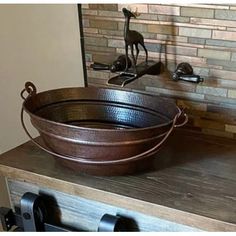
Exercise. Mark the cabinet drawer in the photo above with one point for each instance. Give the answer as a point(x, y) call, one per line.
point(83, 214)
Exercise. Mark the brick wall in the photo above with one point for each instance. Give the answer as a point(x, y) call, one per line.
point(202, 35)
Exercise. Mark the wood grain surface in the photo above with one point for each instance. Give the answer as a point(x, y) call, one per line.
point(193, 181)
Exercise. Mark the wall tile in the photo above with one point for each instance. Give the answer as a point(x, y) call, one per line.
point(208, 53)
point(233, 56)
point(232, 93)
point(197, 12)
point(213, 22)
point(96, 48)
point(134, 26)
point(89, 12)
point(90, 30)
point(102, 24)
point(149, 35)
point(115, 43)
point(85, 6)
point(197, 61)
point(223, 101)
point(209, 124)
point(166, 10)
point(212, 91)
point(144, 16)
point(217, 133)
point(95, 41)
point(231, 28)
point(111, 32)
point(196, 40)
point(221, 43)
point(175, 93)
point(225, 63)
point(111, 14)
point(224, 35)
point(194, 32)
point(225, 14)
point(207, 115)
point(209, 6)
point(223, 74)
point(200, 71)
point(153, 47)
point(227, 83)
point(173, 38)
point(179, 86)
point(104, 57)
point(85, 22)
point(169, 18)
point(230, 128)
point(109, 7)
point(96, 82)
point(163, 29)
point(228, 111)
point(99, 74)
point(189, 51)
point(192, 105)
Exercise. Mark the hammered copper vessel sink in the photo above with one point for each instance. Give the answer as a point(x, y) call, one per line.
point(100, 131)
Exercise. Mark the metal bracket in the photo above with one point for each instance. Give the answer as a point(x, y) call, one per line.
point(33, 218)
point(33, 212)
point(110, 223)
point(7, 218)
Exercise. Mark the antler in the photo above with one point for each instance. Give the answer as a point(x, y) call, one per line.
point(136, 12)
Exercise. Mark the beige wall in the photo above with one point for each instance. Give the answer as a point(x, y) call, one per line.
point(38, 43)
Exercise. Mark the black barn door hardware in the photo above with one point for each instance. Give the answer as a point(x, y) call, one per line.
point(32, 217)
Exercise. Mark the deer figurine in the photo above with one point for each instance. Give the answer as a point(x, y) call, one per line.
point(132, 38)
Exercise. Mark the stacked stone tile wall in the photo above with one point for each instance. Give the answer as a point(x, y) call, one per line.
point(202, 35)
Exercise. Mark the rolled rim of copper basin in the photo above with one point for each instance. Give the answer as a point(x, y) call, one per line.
point(100, 126)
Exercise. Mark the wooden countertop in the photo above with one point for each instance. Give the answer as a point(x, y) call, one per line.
point(194, 181)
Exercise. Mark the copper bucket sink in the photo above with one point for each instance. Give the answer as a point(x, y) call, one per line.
point(100, 131)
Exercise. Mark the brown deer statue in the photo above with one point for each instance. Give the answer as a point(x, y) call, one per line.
point(132, 38)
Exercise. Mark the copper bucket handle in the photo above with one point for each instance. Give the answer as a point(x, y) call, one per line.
point(30, 89)
point(181, 113)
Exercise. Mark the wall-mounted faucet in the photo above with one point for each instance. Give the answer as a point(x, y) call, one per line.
point(132, 38)
point(119, 64)
point(184, 71)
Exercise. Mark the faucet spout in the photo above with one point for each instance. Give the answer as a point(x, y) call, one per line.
point(150, 68)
